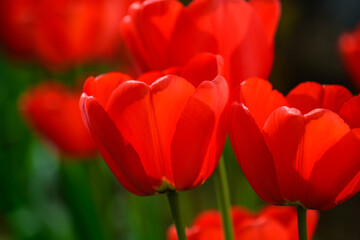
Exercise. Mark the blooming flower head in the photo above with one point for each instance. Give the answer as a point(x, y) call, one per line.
point(162, 133)
point(162, 33)
point(349, 47)
point(61, 33)
point(302, 149)
point(53, 111)
point(271, 223)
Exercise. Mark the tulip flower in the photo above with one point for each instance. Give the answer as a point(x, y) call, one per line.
point(61, 33)
point(53, 111)
point(163, 133)
point(299, 150)
point(163, 33)
point(271, 223)
point(349, 47)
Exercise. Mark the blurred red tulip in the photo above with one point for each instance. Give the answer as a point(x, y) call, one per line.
point(62, 33)
point(163, 33)
point(349, 47)
point(53, 111)
point(162, 133)
point(272, 223)
point(304, 155)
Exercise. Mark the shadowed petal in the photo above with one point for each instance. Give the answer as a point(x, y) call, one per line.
point(350, 190)
point(169, 97)
point(306, 96)
point(283, 132)
point(323, 129)
point(334, 97)
point(202, 67)
point(310, 95)
point(218, 137)
point(130, 109)
point(150, 77)
point(350, 112)
point(120, 156)
point(253, 155)
point(192, 136)
point(334, 171)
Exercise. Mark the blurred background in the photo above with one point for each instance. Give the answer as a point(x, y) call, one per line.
point(47, 196)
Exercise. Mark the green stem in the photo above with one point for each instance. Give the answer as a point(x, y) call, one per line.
point(223, 196)
point(175, 211)
point(301, 213)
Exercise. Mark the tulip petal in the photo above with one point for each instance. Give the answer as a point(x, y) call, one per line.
point(283, 132)
point(334, 171)
point(218, 137)
point(240, 214)
point(53, 111)
point(262, 228)
point(182, 47)
point(306, 96)
point(334, 97)
point(147, 118)
point(120, 156)
point(192, 136)
point(282, 214)
point(102, 86)
point(252, 56)
point(147, 30)
point(207, 219)
point(230, 28)
point(310, 95)
point(352, 188)
point(130, 109)
point(261, 100)
point(150, 77)
point(169, 97)
point(210, 234)
point(350, 112)
point(253, 155)
point(202, 67)
point(323, 129)
point(269, 13)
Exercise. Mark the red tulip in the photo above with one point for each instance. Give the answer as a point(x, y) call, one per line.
point(273, 222)
point(349, 47)
point(162, 33)
point(163, 133)
point(306, 155)
point(53, 111)
point(62, 33)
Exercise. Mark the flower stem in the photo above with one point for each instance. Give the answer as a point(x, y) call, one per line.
point(223, 196)
point(301, 213)
point(175, 211)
